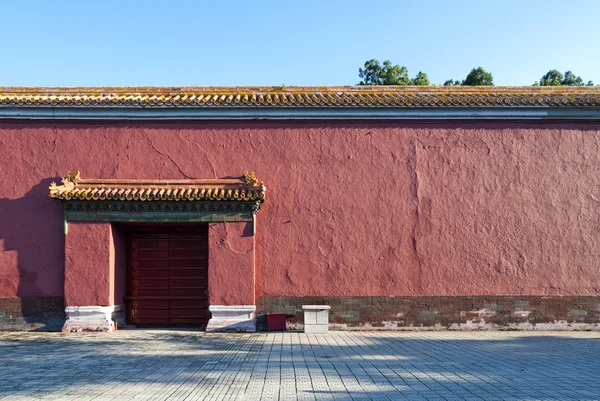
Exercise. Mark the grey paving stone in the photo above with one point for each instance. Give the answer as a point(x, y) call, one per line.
point(184, 366)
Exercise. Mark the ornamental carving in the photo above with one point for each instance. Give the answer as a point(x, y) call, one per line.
point(72, 177)
point(68, 183)
point(250, 179)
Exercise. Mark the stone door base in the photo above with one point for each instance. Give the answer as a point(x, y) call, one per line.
point(232, 318)
point(92, 318)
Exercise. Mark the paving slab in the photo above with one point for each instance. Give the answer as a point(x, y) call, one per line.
point(190, 365)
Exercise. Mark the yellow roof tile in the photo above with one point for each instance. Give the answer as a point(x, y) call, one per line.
point(299, 96)
point(246, 188)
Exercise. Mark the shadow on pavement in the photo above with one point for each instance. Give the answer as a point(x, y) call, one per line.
point(339, 365)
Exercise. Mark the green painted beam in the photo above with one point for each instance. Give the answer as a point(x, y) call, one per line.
point(156, 217)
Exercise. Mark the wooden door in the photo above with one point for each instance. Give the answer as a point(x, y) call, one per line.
point(168, 276)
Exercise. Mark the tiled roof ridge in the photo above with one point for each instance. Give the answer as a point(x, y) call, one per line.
point(246, 188)
point(293, 89)
point(301, 96)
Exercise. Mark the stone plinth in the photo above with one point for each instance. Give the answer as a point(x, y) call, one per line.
point(226, 318)
point(91, 318)
point(316, 318)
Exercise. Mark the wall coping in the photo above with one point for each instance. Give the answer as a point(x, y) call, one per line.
point(300, 102)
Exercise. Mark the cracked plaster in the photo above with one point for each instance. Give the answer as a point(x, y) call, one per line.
point(353, 209)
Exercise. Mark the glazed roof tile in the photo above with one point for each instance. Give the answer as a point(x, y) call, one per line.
point(301, 96)
point(246, 188)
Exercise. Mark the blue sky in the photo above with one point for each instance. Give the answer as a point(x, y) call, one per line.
point(303, 42)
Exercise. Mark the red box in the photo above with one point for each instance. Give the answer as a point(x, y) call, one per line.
point(276, 321)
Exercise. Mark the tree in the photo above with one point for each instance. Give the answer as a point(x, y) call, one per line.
point(478, 77)
point(371, 74)
point(421, 79)
point(450, 82)
point(374, 73)
point(395, 74)
point(552, 78)
point(571, 80)
point(556, 78)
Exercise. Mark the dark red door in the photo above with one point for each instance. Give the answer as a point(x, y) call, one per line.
point(168, 281)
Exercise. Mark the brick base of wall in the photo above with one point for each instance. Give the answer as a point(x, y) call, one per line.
point(32, 314)
point(442, 313)
point(372, 313)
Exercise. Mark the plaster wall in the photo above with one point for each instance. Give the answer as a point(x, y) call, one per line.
point(353, 208)
point(89, 264)
point(231, 267)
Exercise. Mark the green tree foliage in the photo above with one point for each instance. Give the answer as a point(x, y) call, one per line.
point(552, 78)
point(450, 82)
point(374, 73)
point(556, 78)
point(421, 79)
point(571, 80)
point(478, 77)
point(395, 74)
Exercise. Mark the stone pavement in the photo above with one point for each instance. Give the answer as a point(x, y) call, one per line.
point(188, 365)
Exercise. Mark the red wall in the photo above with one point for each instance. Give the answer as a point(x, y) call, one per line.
point(89, 264)
point(231, 268)
point(352, 208)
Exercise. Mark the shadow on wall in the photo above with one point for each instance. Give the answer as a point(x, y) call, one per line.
point(31, 261)
point(370, 365)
